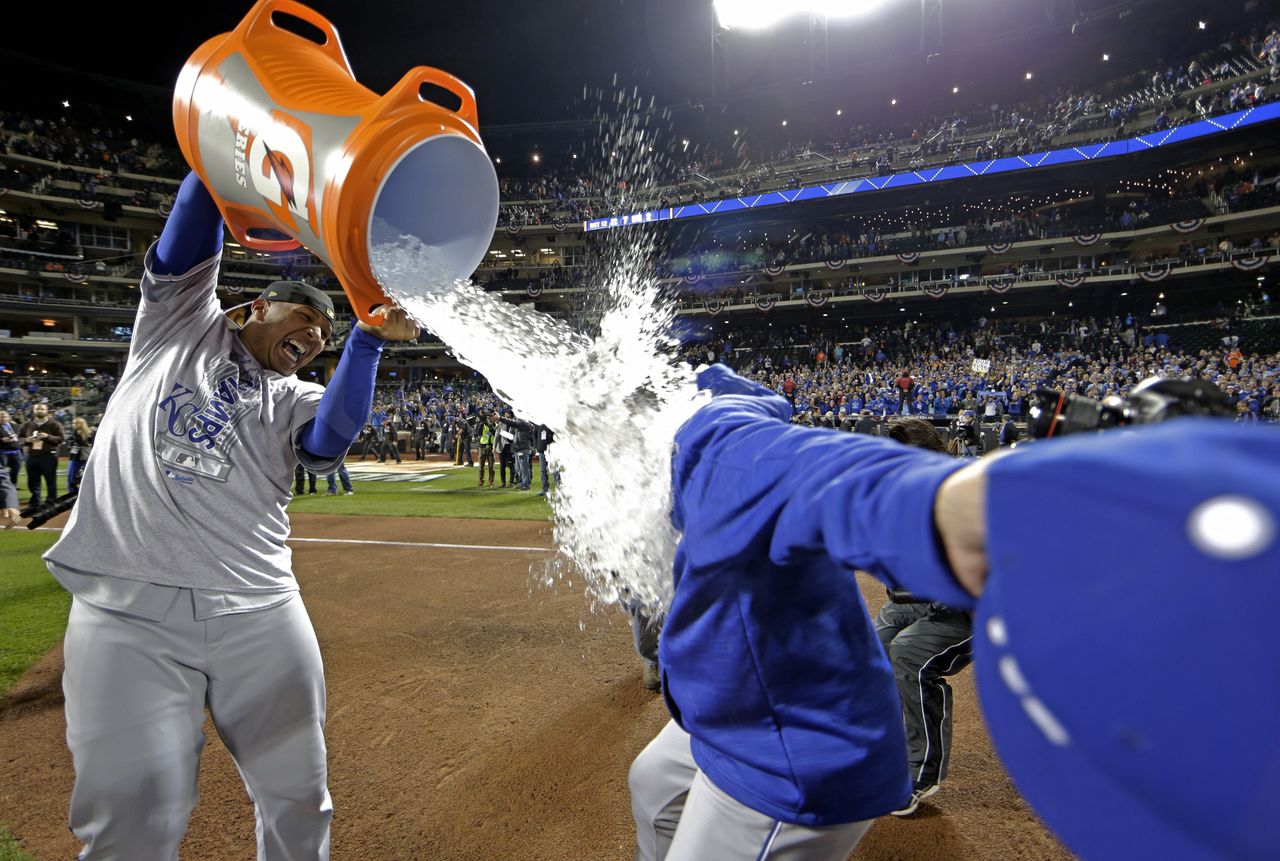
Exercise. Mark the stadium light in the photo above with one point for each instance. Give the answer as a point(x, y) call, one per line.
point(893, 101)
point(1203, 25)
point(839, 112)
point(955, 90)
point(66, 104)
point(1106, 58)
point(128, 117)
point(784, 123)
point(759, 14)
point(1028, 76)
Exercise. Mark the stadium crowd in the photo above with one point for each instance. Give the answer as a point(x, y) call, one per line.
point(832, 376)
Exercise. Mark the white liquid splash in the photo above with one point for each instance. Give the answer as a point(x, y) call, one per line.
point(614, 402)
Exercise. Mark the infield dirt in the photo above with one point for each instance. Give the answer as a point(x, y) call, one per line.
point(474, 716)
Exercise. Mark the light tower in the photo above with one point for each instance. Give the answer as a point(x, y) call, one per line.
point(930, 28)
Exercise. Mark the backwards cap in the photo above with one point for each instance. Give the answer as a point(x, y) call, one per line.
point(300, 293)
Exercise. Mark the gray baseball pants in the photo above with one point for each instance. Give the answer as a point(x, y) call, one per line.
point(682, 816)
point(136, 693)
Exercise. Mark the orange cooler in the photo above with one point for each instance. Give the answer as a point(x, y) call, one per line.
point(288, 142)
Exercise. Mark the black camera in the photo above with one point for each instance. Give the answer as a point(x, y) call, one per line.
point(42, 515)
point(1053, 413)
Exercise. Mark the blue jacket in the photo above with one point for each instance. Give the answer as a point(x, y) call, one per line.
point(769, 658)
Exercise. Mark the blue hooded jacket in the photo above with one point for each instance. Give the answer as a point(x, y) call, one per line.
point(769, 658)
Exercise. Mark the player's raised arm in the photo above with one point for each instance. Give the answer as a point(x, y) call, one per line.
point(748, 483)
point(349, 395)
point(193, 232)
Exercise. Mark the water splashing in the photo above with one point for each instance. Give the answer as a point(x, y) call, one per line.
point(614, 402)
point(609, 387)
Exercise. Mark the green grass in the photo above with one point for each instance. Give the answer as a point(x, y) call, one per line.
point(9, 849)
point(33, 607)
point(455, 494)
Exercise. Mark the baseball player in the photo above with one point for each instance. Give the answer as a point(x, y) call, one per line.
point(183, 591)
point(1124, 753)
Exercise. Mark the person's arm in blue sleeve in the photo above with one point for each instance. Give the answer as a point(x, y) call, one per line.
point(192, 233)
point(747, 483)
point(344, 407)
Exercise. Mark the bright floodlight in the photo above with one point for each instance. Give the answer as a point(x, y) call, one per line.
point(758, 14)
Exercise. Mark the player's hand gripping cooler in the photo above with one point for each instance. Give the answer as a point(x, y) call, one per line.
point(288, 142)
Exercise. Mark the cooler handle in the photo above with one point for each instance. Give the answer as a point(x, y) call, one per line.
point(407, 91)
point(260, 16)
point(240, 220)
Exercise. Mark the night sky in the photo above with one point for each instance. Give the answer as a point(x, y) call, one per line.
point(529, 61)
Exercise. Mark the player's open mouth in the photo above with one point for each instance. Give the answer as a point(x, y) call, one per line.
point(293, 350)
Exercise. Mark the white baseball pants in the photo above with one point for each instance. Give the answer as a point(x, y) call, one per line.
point(136, 693)
point(682, 816)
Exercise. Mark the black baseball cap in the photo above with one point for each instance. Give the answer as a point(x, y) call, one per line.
point(301, 293)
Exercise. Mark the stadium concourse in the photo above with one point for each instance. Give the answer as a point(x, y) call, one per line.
point(1118, 219)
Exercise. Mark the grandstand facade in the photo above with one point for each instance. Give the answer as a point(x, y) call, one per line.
point(1178, 234)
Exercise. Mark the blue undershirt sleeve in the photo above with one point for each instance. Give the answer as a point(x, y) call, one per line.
point(193, 232)
point(347, 399)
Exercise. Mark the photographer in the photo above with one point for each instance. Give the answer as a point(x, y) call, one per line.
point(507, 449)
point(523, 454)
point(926, 641)
point(369, 443)
point(419, 438)
point(41, 437)
point(488, 432)
point(966, 439)
point(462, 442)
point(390, 439)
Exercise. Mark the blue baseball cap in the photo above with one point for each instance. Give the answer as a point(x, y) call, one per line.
point(1124, 645)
